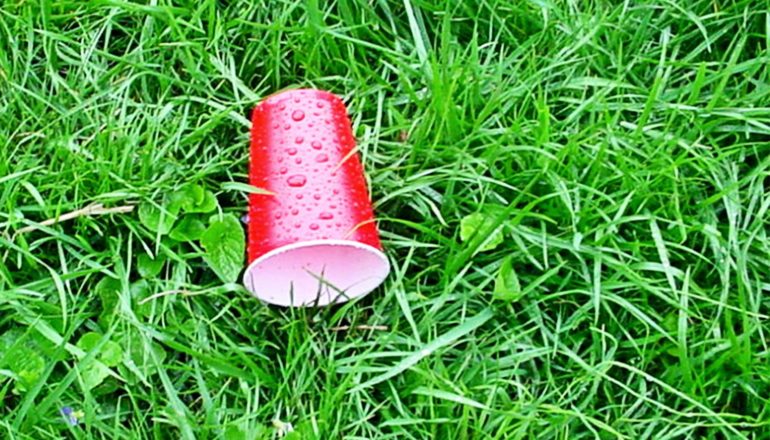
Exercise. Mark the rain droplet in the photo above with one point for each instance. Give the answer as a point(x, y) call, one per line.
point(321, 158)
point(326, 215)
point(317, 196)
point(319, 104)
point(282, 107)
point(296, 180)
point(316, 145)
point(299, 140)
point(294, 211)
point(333, 206)
point(284, 170)
point(298, 225)
point(276, 125)
point(298, 160)
point(299, 196)
point(338, 224)
point(313, 226)
point(245, 219)
point(296, 99)
point(336, 191)
point(286, 126)
point(298, 115)
point(277, 215)
point(291, 151)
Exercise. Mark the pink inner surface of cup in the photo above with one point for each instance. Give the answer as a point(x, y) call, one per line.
point(316, 273)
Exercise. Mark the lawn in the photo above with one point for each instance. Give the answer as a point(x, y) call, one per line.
point(574, 197)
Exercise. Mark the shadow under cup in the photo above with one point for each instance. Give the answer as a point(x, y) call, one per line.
point(313, 241)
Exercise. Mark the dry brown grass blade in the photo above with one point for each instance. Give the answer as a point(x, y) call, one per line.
point(90, 210)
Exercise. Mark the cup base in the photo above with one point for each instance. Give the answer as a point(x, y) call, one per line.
point(316, 273)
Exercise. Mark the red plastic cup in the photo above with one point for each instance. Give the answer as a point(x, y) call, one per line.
point(314, 240)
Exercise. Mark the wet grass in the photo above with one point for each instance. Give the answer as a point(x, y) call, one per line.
point(622, 150)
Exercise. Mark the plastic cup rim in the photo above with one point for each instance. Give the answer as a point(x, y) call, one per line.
point(310, 243)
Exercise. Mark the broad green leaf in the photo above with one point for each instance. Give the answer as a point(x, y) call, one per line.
point(108, 290)
point(479, 223)
point(507, 287)
point(89, 341)
point(149, 267)
point(140, 290)
point(26, 363)
point(207, 204)
point(188, 197)
point(189, 229)
point(302, 431)
point(22, 357)
point(234, 432)
point(247, 431)
point(93, 373)
point(224, 243)
point(97, 369)
point(7, 340)
point(158, 220)
point(110, 353)
point(141, 356)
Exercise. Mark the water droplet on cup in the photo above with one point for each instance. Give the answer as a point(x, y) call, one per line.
point(298, 115)
point(321, 158)
point(299, 140)
point(326, 215)
point(313, 226)
point(316, 145)
point(296, 180)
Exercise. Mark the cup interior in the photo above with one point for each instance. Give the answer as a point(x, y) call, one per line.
point(316, 273)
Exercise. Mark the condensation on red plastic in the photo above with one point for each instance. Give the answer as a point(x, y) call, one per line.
point(302, 150)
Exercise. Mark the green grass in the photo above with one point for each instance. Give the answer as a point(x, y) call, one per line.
point(622, 149)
